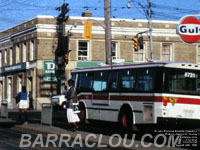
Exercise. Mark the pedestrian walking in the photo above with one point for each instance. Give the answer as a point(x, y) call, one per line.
point(23, 104)
point(71, 96)
point(30, 97)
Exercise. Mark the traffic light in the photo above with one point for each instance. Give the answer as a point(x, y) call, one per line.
point(135, 44)
point(140, 41)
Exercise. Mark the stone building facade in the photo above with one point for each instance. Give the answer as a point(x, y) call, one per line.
point(27, 51)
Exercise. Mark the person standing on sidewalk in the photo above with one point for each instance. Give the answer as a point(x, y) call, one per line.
point(23, 104)
point(71, 98)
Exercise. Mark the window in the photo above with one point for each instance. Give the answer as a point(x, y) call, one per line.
point(24, 52)
point(114, 50)
point(166, 52)
point(139, 56)
point(83, 50)
point(32, 50)
point(145, 80)
point(182, 81)
point(5, 57)
point(113, 80)
point(19, 89)
point(17, 54)
point(127, 80)
point(198, 54)
point(85, 82)
point(11, 56)
point(100, 81)
point(74, 79)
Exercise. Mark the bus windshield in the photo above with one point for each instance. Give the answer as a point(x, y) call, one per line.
point(182, 81)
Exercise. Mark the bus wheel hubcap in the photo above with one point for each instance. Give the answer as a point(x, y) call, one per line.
point(82, 114)
point(124, 121)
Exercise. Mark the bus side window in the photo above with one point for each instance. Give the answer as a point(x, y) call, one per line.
point(74, 76)
point(85, 82)
point(113, 76)
point(145, 80)
point(127, 79)
point(100, 81)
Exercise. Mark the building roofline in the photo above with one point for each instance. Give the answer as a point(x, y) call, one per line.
point(95, 18)
point(122, 19)
point(20, 23)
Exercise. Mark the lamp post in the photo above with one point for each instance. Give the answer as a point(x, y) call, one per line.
point(149, 13)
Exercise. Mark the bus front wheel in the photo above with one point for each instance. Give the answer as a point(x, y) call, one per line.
point(82, 114)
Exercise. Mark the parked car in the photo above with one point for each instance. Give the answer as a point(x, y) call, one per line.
point(59, 102)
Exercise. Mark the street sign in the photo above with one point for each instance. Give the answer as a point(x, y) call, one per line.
point(49, 71)
point(189, 29)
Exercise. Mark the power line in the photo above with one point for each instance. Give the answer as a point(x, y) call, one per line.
point(177, 9)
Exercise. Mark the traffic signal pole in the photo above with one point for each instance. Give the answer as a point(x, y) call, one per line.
point(150, 28)
point(62, 48)
point(149, 12)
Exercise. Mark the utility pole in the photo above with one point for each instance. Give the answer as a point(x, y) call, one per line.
point(150, 28)
point(107, 32)
point(62, 48)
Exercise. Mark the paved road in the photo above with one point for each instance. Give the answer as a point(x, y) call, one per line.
point(10, 136)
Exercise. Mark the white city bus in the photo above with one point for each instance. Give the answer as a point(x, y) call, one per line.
point(139, 93)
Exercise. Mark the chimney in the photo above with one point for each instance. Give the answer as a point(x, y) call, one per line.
point(87, 14)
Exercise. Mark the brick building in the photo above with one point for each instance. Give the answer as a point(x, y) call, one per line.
point(27, 50)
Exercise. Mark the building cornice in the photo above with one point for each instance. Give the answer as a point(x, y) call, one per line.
point(15, 35)
point(52, 28)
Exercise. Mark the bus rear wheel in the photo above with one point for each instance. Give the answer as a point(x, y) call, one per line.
point(126, 120)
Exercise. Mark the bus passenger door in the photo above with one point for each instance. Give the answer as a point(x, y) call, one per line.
point(100, 95)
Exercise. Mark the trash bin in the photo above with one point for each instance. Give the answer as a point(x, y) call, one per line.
point(4, 109)
point(46, 114)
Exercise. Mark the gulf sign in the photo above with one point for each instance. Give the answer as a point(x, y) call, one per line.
point(189, 29)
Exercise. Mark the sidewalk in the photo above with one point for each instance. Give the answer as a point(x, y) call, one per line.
point(6, 120)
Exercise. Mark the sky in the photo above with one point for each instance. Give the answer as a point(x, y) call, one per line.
point(13, 12)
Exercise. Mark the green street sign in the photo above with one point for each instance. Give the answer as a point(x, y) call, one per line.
point(49, 74)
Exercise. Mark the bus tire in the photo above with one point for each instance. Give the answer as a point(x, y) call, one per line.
point(126, 119)
point(82, 114)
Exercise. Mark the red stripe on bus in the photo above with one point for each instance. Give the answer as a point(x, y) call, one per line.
point(132, 98)
point(139, 98)
point(180, 100)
